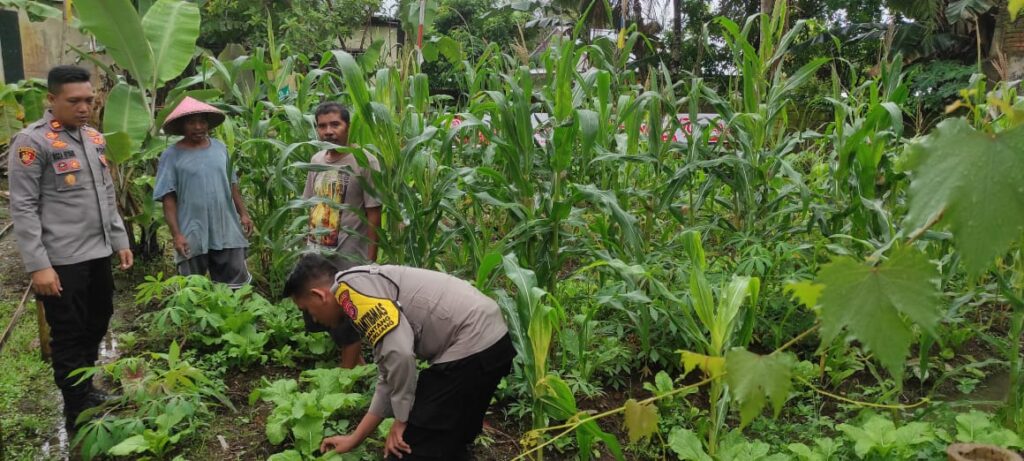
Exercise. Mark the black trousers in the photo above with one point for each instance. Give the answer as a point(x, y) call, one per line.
point(451, 401)
point(78, 320)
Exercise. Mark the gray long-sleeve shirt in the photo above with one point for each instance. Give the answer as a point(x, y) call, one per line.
point(62, 196)
point(438, 318)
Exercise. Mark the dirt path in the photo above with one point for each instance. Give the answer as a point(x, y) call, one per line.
point(31, 421)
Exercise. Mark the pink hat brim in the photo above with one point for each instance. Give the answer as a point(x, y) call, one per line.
point(191, 106)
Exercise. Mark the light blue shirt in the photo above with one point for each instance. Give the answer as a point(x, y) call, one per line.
point(206, 214)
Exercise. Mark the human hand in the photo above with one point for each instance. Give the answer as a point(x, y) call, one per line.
point(181, 245)
point(338, 444)
point(45, 282)
point(125, 256)
point(395, 444)
point(246, 224)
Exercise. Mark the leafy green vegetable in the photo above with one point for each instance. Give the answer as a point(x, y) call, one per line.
point(687, 445)
point(880, 436)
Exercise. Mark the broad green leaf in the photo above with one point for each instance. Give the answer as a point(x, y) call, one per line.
point(641, 420)
point(687, 445)
point(443, 46)
point(126, 112)
point(977, 427)
point(277, 428)
point(879, 435)
point(806, 292)
point(10, 123)
point(116, 25)
point(37, 11)
point(332, 402)
point(289, 455)
point(487, 265)
point(557, 398)
point(308, 432)
point(973, 182)
point(869, 303)
point(966, 10)
point(133, 444)
point(1015, 6)
point(712, 366)
point(172, 27)
point(754, 379)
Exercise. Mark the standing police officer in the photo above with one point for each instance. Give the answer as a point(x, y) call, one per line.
point(67, 225)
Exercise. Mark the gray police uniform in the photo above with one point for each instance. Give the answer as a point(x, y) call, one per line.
point(407, 314)
point(65, 216)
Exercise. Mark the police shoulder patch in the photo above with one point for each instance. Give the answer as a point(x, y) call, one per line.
point(27, 155)
point(373, 317)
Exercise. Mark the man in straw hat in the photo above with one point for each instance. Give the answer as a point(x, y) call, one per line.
point(67, 226)
point(202, 203)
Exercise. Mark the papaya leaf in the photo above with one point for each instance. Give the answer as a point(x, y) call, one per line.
point(712, 366)
point(754, 378)
point(973, 184)
point(806, 292)
point(641, 420)
point(867, 301)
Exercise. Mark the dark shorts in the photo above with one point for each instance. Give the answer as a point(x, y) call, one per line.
point(451, 401)
point(225, 266)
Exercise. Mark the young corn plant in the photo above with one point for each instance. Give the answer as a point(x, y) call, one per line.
point(726, 324)
point(534, 317)
point(759, 139)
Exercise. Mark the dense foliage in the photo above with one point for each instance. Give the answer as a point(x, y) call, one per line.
point(839, 258)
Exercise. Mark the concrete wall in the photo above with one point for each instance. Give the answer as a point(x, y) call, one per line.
point(365, 36)
point(42, 46)
point(1008, 41)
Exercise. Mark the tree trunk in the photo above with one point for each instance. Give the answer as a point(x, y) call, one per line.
point(677, 28)
point(767, 6)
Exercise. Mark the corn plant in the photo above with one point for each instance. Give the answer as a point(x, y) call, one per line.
point(754, 112)
point(534, 318)
point(867, 124)
point(726, 324)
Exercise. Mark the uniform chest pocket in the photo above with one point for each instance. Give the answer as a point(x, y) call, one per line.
point(67, 169)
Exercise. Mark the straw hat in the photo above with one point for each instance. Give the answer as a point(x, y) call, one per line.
point(189, 106)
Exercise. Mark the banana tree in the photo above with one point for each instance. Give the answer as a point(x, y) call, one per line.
point(148, 52)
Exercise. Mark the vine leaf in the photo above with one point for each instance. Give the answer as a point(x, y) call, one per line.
point(756, 378)
point(713, 367)
point(867, 301)
point(973, 183)
point(641, 420)
point(806, 292)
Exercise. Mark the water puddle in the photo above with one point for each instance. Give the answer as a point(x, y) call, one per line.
point(56, 447)
point(992, 391)
point(108, 349)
